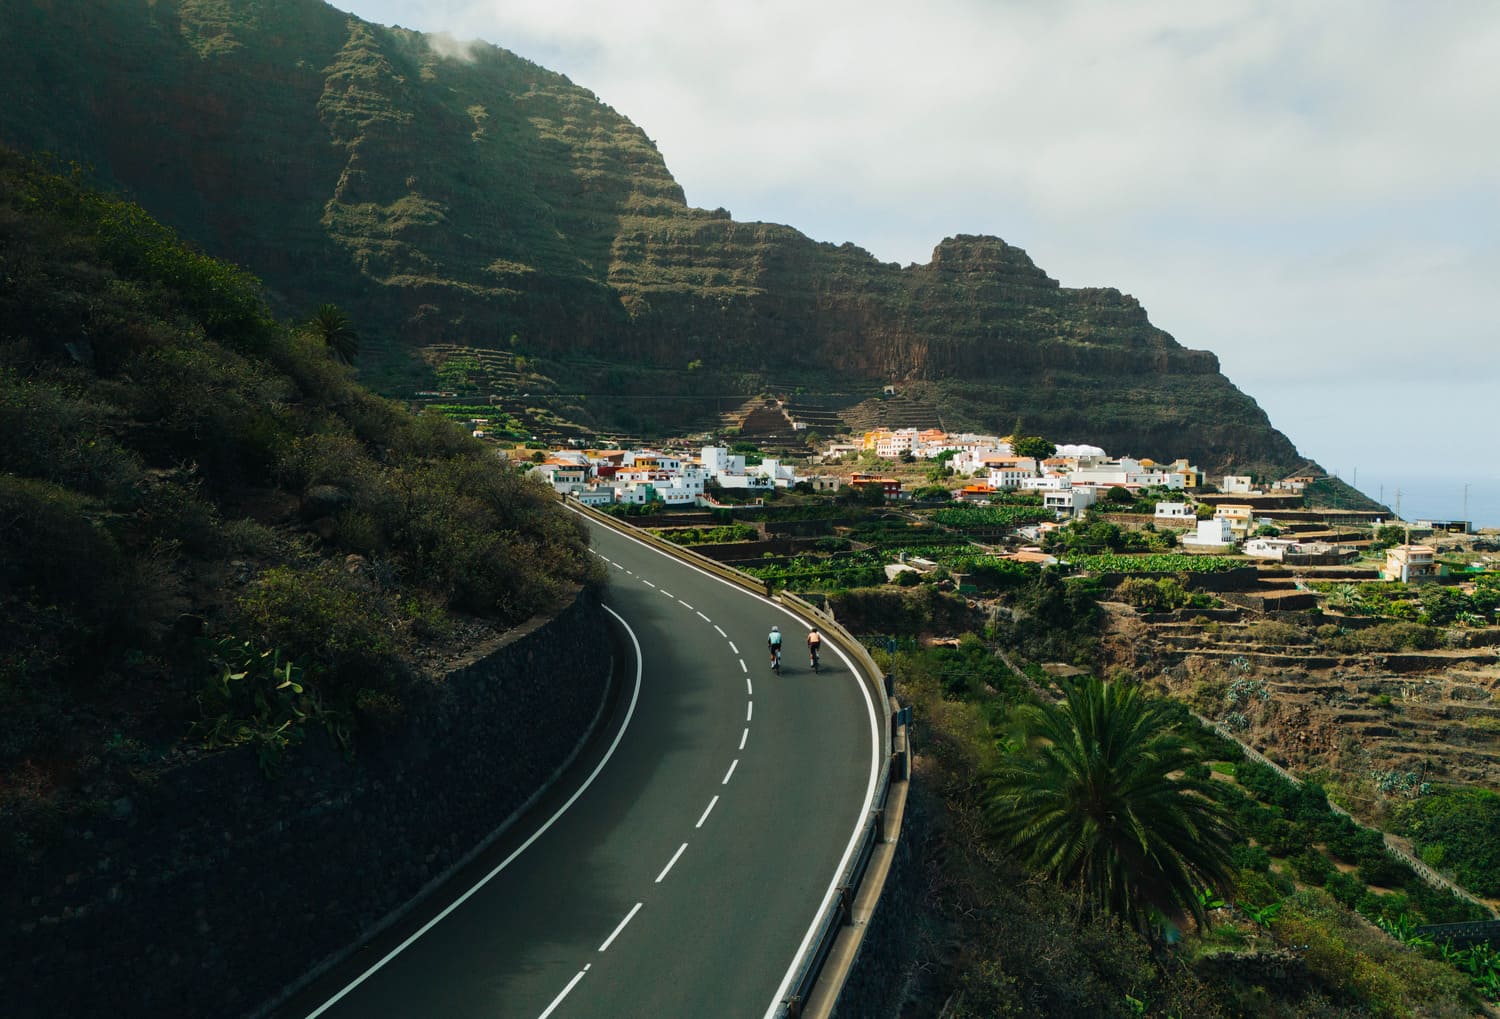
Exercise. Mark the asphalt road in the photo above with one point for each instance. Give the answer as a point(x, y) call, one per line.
point(679, 868)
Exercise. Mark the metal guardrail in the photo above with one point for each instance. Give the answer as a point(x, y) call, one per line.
point(1462, 935)
point(755, 584)
point(838, 914)
point(877, 830)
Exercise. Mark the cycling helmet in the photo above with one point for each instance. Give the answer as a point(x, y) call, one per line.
point(774, 628)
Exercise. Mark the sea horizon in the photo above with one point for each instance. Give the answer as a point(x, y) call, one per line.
point(1435, 498)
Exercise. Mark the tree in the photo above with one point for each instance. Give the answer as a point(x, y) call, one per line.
point(1103, 800)
point(1033, 446)
point(1119, 495)
point(332, 325)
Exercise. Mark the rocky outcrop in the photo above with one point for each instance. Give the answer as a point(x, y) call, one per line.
point(445, 193)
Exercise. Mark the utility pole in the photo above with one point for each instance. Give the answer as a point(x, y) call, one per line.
point(1466, 507)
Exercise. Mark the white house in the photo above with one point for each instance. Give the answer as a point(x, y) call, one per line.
point(717, 459)
point(1047, 483)
point(1237, 484)
point(1211, 536)
point(1009, 472)
point(1068, 502)
point(1270, 548)
point(1175, 513)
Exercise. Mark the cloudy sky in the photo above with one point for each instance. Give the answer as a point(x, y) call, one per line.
point(1311, 191)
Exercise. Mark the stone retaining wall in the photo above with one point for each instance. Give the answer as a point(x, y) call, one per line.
point(214, 888)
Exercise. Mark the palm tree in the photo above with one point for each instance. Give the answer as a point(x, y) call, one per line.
point(1099, 800)
point(332, 325)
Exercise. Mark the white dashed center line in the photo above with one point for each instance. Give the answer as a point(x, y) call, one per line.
point(749, 710)
point(704, 618)
point(564, 993)
point(706, 811)
point(687, 606)
point(647, 582)
point(723, 634)
point(680, 850)
point(745, 667)
point(744, 736)
point(730, 773)
point(628, 917)
point(749, 690)
point(731, 643)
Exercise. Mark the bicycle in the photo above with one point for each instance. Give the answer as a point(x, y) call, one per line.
point(812, 654)
point(776, 659)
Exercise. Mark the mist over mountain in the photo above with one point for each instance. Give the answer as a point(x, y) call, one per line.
point(450, 193)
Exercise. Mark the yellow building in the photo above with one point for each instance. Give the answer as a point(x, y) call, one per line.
point(1241, 519)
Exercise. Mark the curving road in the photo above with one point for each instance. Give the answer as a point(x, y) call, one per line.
point(679, 869)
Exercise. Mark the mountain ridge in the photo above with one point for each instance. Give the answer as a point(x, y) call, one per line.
point(478, 199)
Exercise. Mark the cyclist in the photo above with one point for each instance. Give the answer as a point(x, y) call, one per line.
point(814, 645)
point(773, 641)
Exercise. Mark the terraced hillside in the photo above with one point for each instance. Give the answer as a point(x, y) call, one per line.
point(1312, 703)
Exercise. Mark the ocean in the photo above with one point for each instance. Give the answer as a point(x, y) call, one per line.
point(1430, 498)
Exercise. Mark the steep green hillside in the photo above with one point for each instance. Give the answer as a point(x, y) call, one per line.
point(209, 533)
point(461, 194)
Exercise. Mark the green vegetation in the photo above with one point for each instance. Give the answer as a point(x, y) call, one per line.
point(1160, 595)
point(332, 327)
point(1169, 563)
point(1457, 831)
point(1033, 446)
point(1106, 799)
point(202, 516)
point(1100, 536)
point(709, 535)
point(991, 518)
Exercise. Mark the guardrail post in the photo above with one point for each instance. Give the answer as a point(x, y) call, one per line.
point(890, 684)
point(846, 906)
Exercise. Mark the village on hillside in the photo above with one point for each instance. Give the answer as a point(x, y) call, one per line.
point(1235, 516)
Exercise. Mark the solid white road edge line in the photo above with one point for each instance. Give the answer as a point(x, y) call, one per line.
point(563, 994)
point(680, 850)
point(859, 827)
point(430, 924)
point(628, 917)
point(865, 808)
point(706, 811)
point(728, 774)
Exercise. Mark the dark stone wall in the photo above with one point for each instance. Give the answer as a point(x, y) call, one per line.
point(878, 980)
point(214, 888)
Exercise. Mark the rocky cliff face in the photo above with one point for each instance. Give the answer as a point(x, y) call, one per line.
point(446, 193)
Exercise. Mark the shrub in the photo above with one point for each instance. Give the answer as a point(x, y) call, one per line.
point(1376, 972)
point(1254, 858)
point(320, 615)
point(1311, 867)
point(1346, 888)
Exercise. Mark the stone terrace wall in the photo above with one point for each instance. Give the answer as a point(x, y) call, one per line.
point(215, 888)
